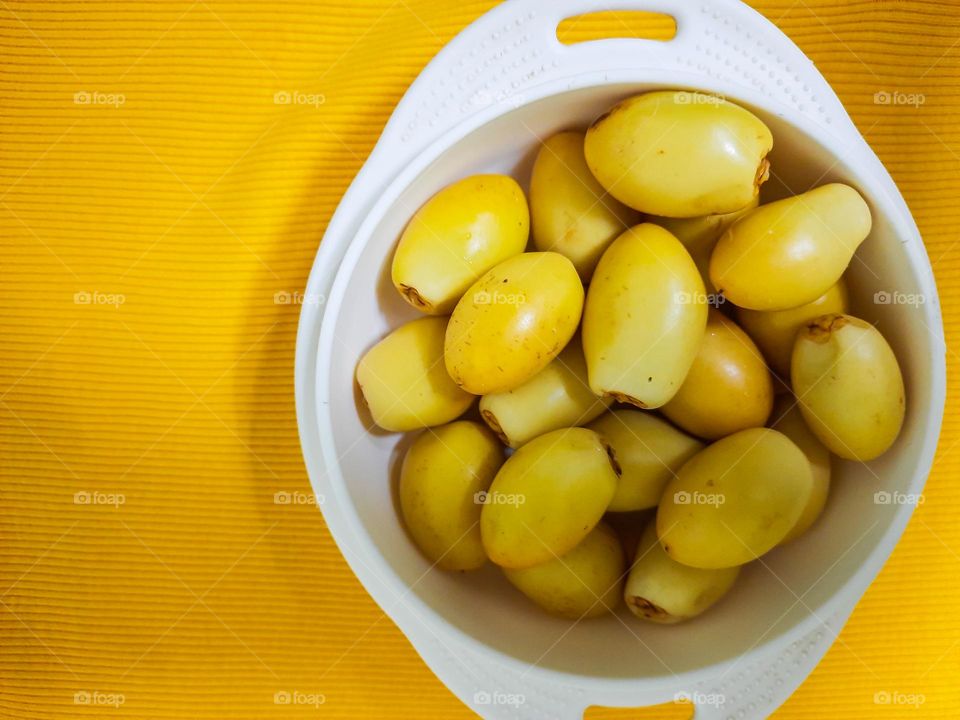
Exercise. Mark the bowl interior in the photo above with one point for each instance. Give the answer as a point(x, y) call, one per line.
point(771, 596)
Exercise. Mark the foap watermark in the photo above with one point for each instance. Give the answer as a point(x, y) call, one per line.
point(882, 497)
point(898, 97)
point(700, 698)
point(285, 297)
point(698, 498)
point(498, 298)
point(284, 497)
point(95, 698)
point(297, 697)
point(697, 98)
point(87, 97)
point(514, 700)
point(498, 498)
point(96, 297)
point(96, 497)
point(884, 297)
point(699, 298)
point(296, 97)
point(895, 697)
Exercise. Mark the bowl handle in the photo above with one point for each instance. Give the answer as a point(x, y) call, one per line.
point(514, 48)
point(746, 688)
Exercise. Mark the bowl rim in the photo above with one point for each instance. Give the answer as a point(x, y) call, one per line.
point(875, 179)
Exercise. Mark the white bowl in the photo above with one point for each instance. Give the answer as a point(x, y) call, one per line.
point(777, 600)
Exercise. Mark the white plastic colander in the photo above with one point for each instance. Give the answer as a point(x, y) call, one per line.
point(482, 105)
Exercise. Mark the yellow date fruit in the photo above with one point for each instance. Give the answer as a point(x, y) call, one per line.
point(547, 497)
point(459, 234)
point(699, 235)
point(679, 154)
point(848, 382)
point(556, 397)
point(734, 501)
point(649, 451)
point(728, 387)
point(790, 252)
point(443, 476)
point(404, 382)
point(571, 212)
point(664, 591)
point(644, 318)
point(585, 582)
point(512, 322)
point(774, 331)
point(788, 419)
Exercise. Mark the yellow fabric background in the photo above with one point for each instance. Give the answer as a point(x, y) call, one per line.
point(198, 199)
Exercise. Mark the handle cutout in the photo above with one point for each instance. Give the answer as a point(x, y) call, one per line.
point(667, 711)
point(608, 24)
